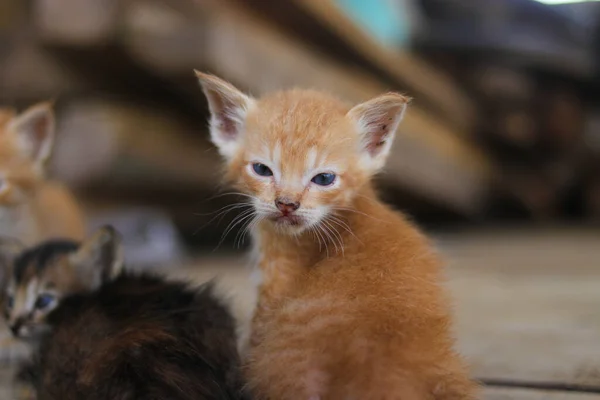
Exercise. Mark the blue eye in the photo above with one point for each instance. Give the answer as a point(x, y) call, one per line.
point(44, 301)
point(323, 179)
point(262, 169)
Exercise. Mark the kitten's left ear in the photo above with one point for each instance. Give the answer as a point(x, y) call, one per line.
point(100, 258)
point(376, 121)
point(34, 131)
point(228, 108)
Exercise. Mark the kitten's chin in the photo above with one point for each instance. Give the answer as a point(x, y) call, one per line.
point(290, 224)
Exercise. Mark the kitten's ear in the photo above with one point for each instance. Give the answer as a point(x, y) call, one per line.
point(10, 248)
point(376, 121)
point(228, 108)
point(99, 258)
point(34, 130)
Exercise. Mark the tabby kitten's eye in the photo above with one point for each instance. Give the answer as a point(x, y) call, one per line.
point(262, 169)
point(324, 179)
point(43, 301)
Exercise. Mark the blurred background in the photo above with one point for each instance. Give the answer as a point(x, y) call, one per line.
point(498, 157)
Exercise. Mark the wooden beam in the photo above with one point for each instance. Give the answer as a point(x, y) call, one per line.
point(129, 145)
point(77, 22)
point(419, 77)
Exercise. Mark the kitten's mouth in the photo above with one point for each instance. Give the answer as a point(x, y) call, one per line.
point(287, 219)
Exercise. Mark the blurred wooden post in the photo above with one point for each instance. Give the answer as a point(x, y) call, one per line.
point(129, 146)
point(77, 22)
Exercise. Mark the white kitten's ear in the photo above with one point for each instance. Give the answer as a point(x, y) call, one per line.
point(228, 108)
point(34, 131)
point(376, 121)
point(99, 258)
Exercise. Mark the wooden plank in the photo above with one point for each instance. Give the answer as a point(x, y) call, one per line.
point(419, 76)
point(524, 394)
point(164, 36)
point(527, 304)
point(77, 22)
point(129, 145)
point(29, 73)
point(11, 15)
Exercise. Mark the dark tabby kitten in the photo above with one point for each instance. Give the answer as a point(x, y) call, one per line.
point(123, 336)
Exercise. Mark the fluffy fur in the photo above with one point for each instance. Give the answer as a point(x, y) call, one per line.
point(39, 278)
point(130, 336)
point(350, 306)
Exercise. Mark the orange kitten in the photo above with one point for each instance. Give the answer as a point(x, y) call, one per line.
point(350, 306)
point(32, 208)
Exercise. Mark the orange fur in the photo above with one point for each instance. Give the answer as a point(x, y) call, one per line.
point(350, 306)
point(32, 208)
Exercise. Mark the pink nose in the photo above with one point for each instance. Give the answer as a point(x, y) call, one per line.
point(286, 206)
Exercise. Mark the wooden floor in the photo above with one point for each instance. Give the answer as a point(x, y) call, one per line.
point(528, 310)
point(527, 306)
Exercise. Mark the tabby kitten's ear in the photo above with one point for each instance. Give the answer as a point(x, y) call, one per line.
point(376, 121)
point(10, 248)
point(228, 108)
point(34, 131)
point(99, 258)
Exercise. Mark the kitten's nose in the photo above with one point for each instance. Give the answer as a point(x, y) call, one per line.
point(286, 206)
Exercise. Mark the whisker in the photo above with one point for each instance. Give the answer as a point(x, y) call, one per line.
point(231, 194)
point(248, 228)
point(221, 213)
point(329, 235)
point(311, 229)
point(321, 238)
point(335, 236)
point(337, 220)
point(252, 225)
point(322, 233)
point(357, 212)
point(224, 209)
point(236, 221)
point(237, 240)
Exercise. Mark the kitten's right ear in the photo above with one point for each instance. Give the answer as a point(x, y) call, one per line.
point(99, 258)
point(34, 131)
point(228, 108)
point(376, 121)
